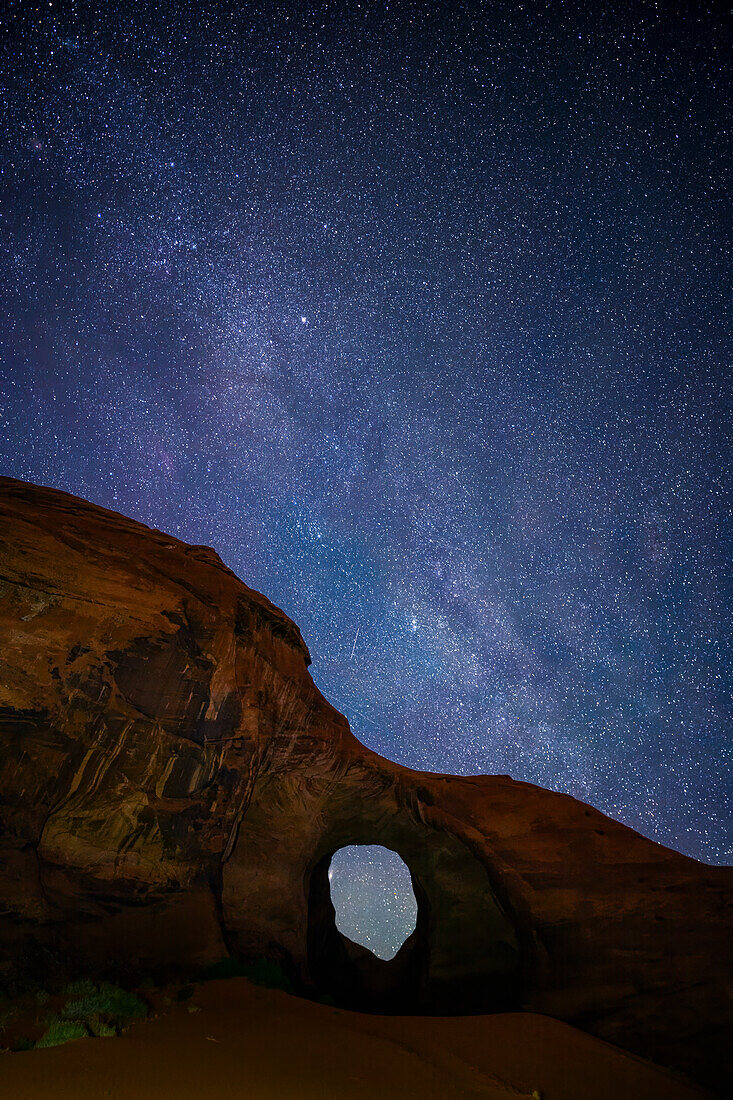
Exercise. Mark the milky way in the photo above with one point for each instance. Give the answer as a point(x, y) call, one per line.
point(417, 315)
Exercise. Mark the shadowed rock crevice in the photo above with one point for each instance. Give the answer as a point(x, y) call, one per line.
point(173, 787)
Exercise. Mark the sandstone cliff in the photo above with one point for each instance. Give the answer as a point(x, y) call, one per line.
point(173, 786)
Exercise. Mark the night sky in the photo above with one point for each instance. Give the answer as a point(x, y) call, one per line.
point(416, 313)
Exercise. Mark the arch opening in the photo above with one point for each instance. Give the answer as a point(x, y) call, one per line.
point(373, 898)
point(463, 954)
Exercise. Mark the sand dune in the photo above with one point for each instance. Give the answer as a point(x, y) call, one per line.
point(233, 1039)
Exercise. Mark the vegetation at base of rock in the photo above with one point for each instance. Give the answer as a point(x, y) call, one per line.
point(224, 968)
point(99, 1009)
point(103, 1000)
point(82, 1009)
point(100, 1028)
point(85, 1008)
point(62, 1031)
point(261, 971)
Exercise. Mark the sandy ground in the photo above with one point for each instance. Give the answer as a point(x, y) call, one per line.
point(244, 1041)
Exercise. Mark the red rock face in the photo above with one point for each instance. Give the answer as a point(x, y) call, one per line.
point(174, 785)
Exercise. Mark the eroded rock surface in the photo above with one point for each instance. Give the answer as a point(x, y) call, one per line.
point(173, 786)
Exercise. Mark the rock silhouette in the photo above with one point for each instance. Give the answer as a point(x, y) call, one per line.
point(173, 786)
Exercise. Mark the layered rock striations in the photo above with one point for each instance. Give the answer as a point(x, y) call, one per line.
point(173, 786)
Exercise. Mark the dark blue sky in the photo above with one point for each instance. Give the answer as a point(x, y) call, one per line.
point(417, 314)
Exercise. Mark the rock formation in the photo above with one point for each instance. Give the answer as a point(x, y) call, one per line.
point(173, 786)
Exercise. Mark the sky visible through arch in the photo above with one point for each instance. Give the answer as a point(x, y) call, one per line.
point(373, 898)
point(416, 314)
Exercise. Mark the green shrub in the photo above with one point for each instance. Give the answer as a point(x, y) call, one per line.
point(224, 968)
point(105, 1000)
point(262, 971)
point(62, 1031)
point(268, 973)
point(100, 1028)
point(84, 985)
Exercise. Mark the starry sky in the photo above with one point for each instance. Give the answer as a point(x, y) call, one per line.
point(417, 314)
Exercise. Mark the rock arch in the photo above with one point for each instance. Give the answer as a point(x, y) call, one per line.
point(464, 955)
point(172, 782)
